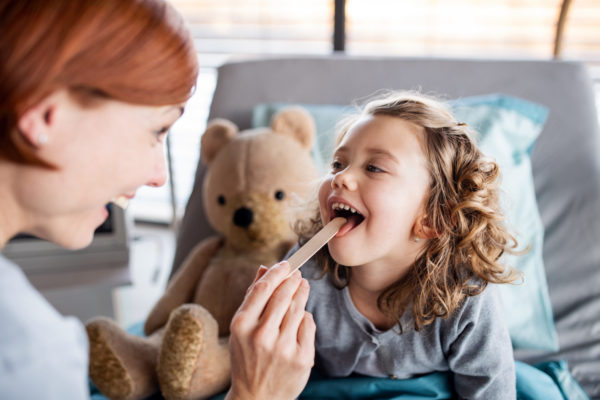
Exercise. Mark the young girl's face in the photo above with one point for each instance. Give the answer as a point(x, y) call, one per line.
point(380, 170)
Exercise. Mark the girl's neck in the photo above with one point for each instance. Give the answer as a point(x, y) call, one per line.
point(366, 285)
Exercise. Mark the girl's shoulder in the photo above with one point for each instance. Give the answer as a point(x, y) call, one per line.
point(482, 309)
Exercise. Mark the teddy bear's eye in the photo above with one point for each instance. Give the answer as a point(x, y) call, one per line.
point(221, 200)
point(279, 195)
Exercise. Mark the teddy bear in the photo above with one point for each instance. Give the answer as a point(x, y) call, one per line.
point(254, 182)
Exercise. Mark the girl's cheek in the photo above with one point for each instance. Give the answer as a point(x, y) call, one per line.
point(324, 189)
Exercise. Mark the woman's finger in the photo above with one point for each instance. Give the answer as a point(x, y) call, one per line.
point(295, 313)
point(260, 273)
point(279, 303)
point(253, 305)
point(306, 336)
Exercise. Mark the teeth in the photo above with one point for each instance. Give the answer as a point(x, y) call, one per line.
point(121, 201)
point(340, 206)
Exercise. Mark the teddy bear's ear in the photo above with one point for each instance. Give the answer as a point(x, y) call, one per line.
point(218, 133)
point(297, 123)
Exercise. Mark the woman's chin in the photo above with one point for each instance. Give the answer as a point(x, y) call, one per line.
point(78, 234)
point(77, 241)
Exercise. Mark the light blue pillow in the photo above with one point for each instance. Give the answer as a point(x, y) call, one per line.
point(508, 128)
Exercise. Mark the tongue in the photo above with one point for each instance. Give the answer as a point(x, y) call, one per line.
point(353, 220)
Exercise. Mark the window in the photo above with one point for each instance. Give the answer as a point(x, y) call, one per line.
point(223, 30)
point(229, 29)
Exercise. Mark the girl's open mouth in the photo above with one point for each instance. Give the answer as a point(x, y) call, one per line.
point(353, 216)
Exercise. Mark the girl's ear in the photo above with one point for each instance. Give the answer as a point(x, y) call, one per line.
point(422, 228)
point(35, 124)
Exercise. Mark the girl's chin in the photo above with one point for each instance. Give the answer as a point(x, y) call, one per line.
point(340, 256)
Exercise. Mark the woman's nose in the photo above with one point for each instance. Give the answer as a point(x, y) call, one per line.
point(344, 179)
point(159, 176)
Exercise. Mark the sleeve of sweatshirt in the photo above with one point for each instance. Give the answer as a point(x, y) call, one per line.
point(479, 349)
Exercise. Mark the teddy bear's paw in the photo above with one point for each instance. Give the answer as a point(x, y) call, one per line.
point(107, 370)
point(122, 366)
point(189, 330)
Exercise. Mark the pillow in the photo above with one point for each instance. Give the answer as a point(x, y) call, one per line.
point(508, 128)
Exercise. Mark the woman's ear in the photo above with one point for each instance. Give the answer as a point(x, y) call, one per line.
point(422, 228)
point(34, 125)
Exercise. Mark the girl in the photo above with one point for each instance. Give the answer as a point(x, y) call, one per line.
point(89, 90)
point(407, 289)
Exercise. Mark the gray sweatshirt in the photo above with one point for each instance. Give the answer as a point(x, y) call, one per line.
point(473, 343)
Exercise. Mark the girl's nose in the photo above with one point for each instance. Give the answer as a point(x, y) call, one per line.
point(344, 179)
point(159, 176)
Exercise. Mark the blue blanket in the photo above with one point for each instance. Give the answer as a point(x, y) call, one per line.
point(546, 381)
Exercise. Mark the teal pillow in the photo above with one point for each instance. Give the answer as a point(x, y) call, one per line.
point(508, 128)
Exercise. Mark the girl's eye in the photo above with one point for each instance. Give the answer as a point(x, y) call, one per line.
point(336, 166)
point(373, 168)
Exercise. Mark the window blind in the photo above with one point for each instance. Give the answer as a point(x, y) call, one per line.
point(229, 29)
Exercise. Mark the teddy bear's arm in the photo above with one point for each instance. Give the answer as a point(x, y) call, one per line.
point(180, 289)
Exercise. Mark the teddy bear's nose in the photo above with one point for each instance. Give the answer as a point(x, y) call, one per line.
point(243, 217)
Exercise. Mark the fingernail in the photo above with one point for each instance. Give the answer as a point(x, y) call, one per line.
point(282, 265)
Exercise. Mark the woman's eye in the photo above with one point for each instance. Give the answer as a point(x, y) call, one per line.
point(162, 131)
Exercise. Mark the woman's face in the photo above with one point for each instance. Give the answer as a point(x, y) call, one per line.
point(101, 152)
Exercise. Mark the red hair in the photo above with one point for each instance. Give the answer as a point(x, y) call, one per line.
point(136, 51)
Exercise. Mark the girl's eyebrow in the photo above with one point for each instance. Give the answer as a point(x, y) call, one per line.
point(342, 149)
point(384, 153)
point(372, 151)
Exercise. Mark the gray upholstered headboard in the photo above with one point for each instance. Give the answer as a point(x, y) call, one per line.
point(565, 159)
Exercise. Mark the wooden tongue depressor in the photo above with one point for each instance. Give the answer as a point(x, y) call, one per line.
point(305, 252)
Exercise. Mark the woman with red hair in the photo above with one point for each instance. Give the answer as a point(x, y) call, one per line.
point(89, 90)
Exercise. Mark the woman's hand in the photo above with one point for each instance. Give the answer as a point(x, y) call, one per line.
point(272, 338)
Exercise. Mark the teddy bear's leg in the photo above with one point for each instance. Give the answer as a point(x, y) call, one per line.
point(193, 362)
point(122, 366)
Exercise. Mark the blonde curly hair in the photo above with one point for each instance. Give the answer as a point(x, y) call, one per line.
point(462, 207)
